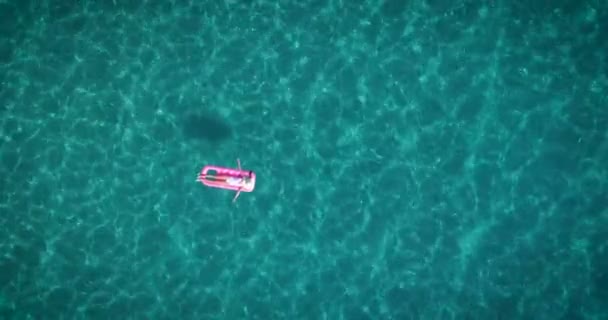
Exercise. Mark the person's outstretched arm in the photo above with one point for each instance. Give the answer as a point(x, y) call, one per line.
point(237, 195)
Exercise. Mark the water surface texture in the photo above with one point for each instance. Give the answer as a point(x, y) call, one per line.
point(415, 160)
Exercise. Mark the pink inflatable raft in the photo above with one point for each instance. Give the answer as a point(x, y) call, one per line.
point(226, 178)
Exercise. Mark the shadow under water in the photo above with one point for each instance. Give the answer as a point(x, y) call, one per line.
point(202, 127)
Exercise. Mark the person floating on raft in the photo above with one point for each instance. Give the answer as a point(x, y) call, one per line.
point(227, 178)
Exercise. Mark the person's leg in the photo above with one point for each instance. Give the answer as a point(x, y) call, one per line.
point(214, 177)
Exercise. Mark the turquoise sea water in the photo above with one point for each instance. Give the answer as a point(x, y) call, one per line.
point(415, 159)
